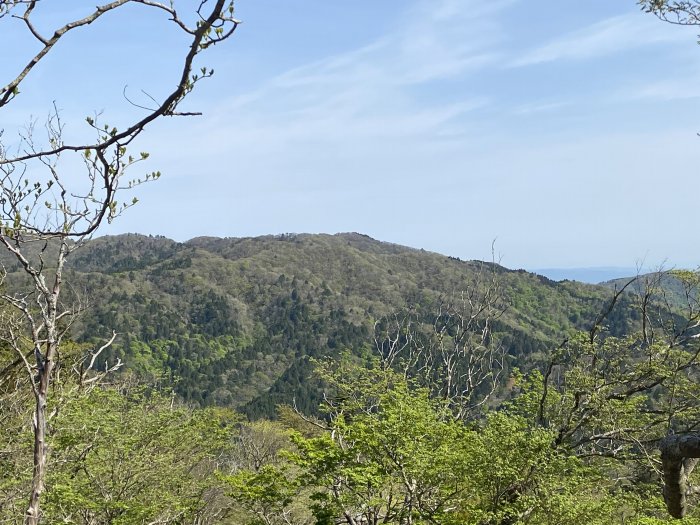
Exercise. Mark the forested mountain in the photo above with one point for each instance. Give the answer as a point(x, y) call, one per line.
point(404, 363)
point(234, 321)
point(674, 288)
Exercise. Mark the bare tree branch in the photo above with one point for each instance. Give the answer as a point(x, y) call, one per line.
point(48, 214)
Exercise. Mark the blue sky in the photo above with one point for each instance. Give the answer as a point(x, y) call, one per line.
point(566, 131)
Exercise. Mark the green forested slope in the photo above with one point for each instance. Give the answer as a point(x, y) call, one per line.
point(258, 323)
point(233, 321)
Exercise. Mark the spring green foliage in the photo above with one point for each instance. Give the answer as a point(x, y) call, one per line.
point(15, 441)
point(119, 456)
point(391, 454)
point(570, 439)
point(233, 321)
point(385, 451)
point(131, 458)
point(267, 495)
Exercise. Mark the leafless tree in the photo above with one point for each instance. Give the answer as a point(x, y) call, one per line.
point(680, 12)
point(258, 444)
point(457, 354)
point(46, 215)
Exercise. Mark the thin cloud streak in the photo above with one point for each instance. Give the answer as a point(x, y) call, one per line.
point(611, 36)
point(371, 91)
point(667, 90)
point(539, 107)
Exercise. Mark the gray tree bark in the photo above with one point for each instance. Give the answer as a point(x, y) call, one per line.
point(679, 455)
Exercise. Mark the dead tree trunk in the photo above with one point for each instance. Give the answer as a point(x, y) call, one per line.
point(679, 455)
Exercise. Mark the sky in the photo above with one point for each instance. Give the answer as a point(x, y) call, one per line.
point(565, 134)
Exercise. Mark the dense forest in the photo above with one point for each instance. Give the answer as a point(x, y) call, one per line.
point(234, 322)
point(328, 379)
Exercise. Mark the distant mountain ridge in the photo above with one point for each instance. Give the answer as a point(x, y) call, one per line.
point(590, 275)
point(236, 320)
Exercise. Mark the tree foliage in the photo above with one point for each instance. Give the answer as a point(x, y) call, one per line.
point(132, 457)
point(390, 453)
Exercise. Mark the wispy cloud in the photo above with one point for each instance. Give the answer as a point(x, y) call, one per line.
point(376, 89)
point(539, 107)
point(665, 90)
point(422, 134)
point(614, 35)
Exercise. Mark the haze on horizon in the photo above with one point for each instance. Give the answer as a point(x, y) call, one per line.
point(566, 133)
